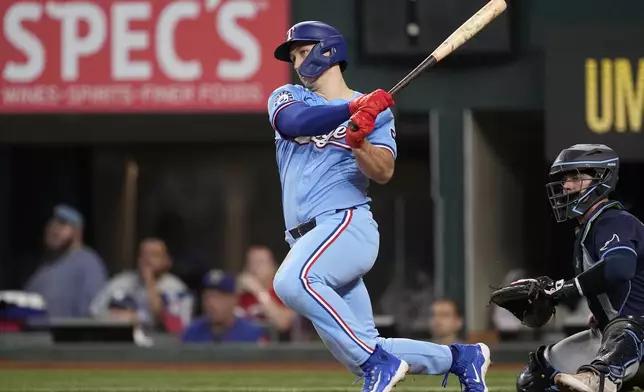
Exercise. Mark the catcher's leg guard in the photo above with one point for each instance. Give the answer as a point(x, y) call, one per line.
point(617, 360)
point(537, 374)
point(621, 349)
point(629, 385)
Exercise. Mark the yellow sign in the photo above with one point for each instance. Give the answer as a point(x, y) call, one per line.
point(614, 95)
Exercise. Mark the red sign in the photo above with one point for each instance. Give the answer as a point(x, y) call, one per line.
point(140, 55)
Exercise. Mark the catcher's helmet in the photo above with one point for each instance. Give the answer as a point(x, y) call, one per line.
point(327, 39)
point(596, 160)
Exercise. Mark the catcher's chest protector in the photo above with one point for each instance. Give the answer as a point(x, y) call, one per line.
point(605, 307)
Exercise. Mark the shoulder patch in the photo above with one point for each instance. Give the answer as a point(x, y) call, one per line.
point(393, 132)
point(614, 238)
point(283, 97)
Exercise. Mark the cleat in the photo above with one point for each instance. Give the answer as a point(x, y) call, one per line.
point(382, 371)
point(584, 382)
point(471, 366)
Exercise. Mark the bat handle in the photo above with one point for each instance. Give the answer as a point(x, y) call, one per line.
point(353, 126)
point(399, 86)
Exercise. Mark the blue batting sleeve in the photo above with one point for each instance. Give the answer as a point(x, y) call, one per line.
point(301, 119)
point(384, 133)
point(281, 98)
point(290, 116)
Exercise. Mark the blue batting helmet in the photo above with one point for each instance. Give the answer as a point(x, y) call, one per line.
point(327, 39)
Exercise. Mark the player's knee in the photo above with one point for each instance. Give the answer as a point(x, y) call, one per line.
point(537, 375)
point(633, 326)
point(288, 287)
point(620, 348)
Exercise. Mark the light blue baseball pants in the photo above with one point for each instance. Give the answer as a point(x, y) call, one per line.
point(321, 279)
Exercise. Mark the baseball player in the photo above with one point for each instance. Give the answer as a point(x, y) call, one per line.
point(324, 171)
point(609, 264)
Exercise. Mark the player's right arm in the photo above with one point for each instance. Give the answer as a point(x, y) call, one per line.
point(290, 116)
point(616, 241)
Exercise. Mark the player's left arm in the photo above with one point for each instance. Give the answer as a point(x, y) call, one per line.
point(616, 246)
point(616, 243)
point(377, 155)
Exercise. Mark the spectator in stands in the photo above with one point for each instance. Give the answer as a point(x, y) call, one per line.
point(258, 301)
point(219, 322)
point(446, 322)
point(150, 297)
point(71, 273)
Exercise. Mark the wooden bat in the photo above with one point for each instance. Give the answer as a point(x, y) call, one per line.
point(460, 36)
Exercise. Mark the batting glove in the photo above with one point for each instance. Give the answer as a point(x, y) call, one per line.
point(363, 122)
point(379, 100)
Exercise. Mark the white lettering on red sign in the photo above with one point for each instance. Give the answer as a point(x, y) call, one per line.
point(133, 55)
point(73, 45)
point(238, 38)
point(169, 62)
point(24, 41)
point(126, 40)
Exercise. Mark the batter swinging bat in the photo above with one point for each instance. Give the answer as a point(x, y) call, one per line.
point(461, 35)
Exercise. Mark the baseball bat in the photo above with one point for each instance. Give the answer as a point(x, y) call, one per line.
point(464, 33)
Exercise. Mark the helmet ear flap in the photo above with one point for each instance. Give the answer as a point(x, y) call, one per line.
point(319, 61)
point(334, 46)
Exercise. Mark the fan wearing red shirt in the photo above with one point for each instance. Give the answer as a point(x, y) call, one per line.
point(258, 300)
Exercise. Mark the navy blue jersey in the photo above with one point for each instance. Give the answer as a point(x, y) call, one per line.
point(612, 230)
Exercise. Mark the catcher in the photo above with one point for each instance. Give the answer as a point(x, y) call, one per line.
point(609, 269)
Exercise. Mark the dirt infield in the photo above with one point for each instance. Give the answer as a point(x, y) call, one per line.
point(215, 367)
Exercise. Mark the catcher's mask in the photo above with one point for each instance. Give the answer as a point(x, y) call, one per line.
point(595, 163)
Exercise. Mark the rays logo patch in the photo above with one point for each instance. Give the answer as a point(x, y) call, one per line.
point(614, 238)
point(283, 97)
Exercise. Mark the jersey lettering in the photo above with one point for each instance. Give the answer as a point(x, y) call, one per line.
point(321, 141)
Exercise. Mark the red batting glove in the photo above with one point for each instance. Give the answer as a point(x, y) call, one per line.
point(379, 99)
point(365, 121)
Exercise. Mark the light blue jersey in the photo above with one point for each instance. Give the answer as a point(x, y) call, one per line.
point(321, 278)
point(320, 174)
point(330, 228)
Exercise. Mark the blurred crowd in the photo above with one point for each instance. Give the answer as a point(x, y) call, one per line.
point(71, 281)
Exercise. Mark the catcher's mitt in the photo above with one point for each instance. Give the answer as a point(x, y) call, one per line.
point(528, 300)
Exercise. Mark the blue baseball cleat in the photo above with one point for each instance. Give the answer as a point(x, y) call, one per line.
point(382, 371)
point(470, 366)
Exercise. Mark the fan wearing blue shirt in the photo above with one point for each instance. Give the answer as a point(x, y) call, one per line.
point(219, 322)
